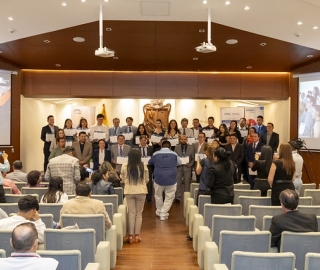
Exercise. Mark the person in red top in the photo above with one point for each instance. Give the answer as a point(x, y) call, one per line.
point(10, 183)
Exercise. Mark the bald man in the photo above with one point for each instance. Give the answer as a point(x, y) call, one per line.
point(24, 240)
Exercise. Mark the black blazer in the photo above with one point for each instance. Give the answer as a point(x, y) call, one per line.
point(149, 150)
point(292, 221)
point(274, 140)
point(95, 158)
point(249, 151)
point(46, 129)
point(237, 155)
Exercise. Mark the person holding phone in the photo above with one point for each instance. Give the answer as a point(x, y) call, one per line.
point(5, 167)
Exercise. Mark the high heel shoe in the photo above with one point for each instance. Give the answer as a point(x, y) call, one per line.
point(129, 240)
point(137, 239)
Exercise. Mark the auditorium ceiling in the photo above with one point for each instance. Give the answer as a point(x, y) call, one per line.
point(161, 35)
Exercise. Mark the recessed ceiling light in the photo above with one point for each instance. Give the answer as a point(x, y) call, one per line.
point(83, 1)
point(109, 29)
point(64, 4)
point(299, 23)
point(0, 51)
point(232, 41)
point(249, 67)
point(310, 56)
point(46, 41)
point(10, 18)
point(246, 8)
point(195, 58)
point(263, 44)
point(315, 27)
point(201, 30)
point(228, 3)
point(116, 57)
point(106, 0)
point(78, 39)
point(58, 65)
point(204, 2)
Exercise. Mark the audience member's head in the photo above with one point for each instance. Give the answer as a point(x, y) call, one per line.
point(28, 206)
point(289, 200)
point(69, 150)
point(24, 238)
point(33, 178)
point(17, 165)
point(83, 173)
point(96, 177)
point(166, 144)
point(55, 185)
point(83, 189)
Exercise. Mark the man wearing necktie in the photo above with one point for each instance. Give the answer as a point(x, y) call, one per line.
point(129, 128)
point(251, 149)
point(115, 130)
point(119, 150)
point(184, 171)
point(260, 127)
point(184, 130)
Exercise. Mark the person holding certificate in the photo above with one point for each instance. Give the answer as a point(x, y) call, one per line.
point(119, 151)
point(233, 129)
point(100, 155)
point(156, 135)
point(129, 130)
point(210, 130)
point(82, 149)
point(70, 133)
point(98, 132)
point(141, 131)
point(173, 133)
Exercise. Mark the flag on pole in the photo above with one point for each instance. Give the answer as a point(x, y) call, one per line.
point(105, 120)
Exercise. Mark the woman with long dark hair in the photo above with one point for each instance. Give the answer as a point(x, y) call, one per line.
point(141, 130)
point(282, 173)
point(55, 192)
point(221, 177)
point(233, 129)
point(223, 135)
point(262, 165)
point(159, 132)
point(135, 176)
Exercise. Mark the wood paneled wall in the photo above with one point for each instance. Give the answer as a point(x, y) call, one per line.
point(155, 85)
point(15, 113)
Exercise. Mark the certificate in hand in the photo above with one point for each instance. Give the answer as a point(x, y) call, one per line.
point(128, 136)
point(69, 143)
point(174, 142)
point(184, 160)
point(70, 132)
point(113, 139)
point(155, 139)
point(49, 137)
point(122, 160)
point(145, 159)
point(251, 172)
point(208, 133)
point(137, 139)
point(191, 141)
point(244, 133)
point(99, 135)
point(201, 155)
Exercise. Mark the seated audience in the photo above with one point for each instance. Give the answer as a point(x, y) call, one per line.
point(291, 220)
point(10, 183)
point(17, 175)
point(82, 204)
point(55, 192)
point(3, 214)
point(109, 173)
point(34, 179)
point(28, 209)
point(99, 184)
point(24, 240)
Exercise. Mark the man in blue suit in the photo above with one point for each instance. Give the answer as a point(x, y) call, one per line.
point(260, 128)
point(251, 150)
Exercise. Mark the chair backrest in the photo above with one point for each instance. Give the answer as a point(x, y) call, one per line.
point(7, 190)
point(93, 266)
point(220, 209)
point(14, 198)
point(35, 190)
point(231, 241)
point(110, 210)
point(203, 199)
point(48, 220)
point(82, 239)
point(9, 208)
point(305, 200)
point(119, 192)
point(5, 236)
point(113, 198)
point(51, 208)
point(310, 209)
point(2, 253)
point(246, 201)
point(20, 185)
point(245, 192)
point(231, 223)
point(315, 194)
point(193, 186)
point(259, 211)
point(266, 223)
point(241, 186)
point(300, 244)
point(251, 260)
point(68, 259)
point(84, 221)
point(195, 194)
point(307, 186)
point(269, 191)
point(312, 261)
point(318, 220)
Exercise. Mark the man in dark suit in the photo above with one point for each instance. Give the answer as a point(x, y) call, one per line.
point(147, 151)
point(100, 155)
point(129, 128)
point(114, 131)
point(291, 219)
point(251, 150)
point(119, 150)
point(237, 153)
point(260, 128)
point(184, 171)
point(199, 149)
point(48, 129)
point(270, 138)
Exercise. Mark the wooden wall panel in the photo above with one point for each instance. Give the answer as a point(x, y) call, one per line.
point(91, 84)
point(177, 85)
point(266, 86)
point(217, 86)
point(134, 85)
point(46, 83)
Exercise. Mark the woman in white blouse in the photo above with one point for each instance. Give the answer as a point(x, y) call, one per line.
point(55, 192)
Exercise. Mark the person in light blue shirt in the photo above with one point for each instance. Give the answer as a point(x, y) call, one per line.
point(5, 167)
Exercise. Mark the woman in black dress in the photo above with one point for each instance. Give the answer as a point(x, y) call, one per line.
point(282, 173)
point(262, 165)
point(223, 135)
point(233, 129)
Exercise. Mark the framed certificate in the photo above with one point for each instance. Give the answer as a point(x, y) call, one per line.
point(99, 135)
point(128, 136)
point(209, 133)
point(122, 160)
point(184, 160)
point(113, 139)
point(155, 139)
